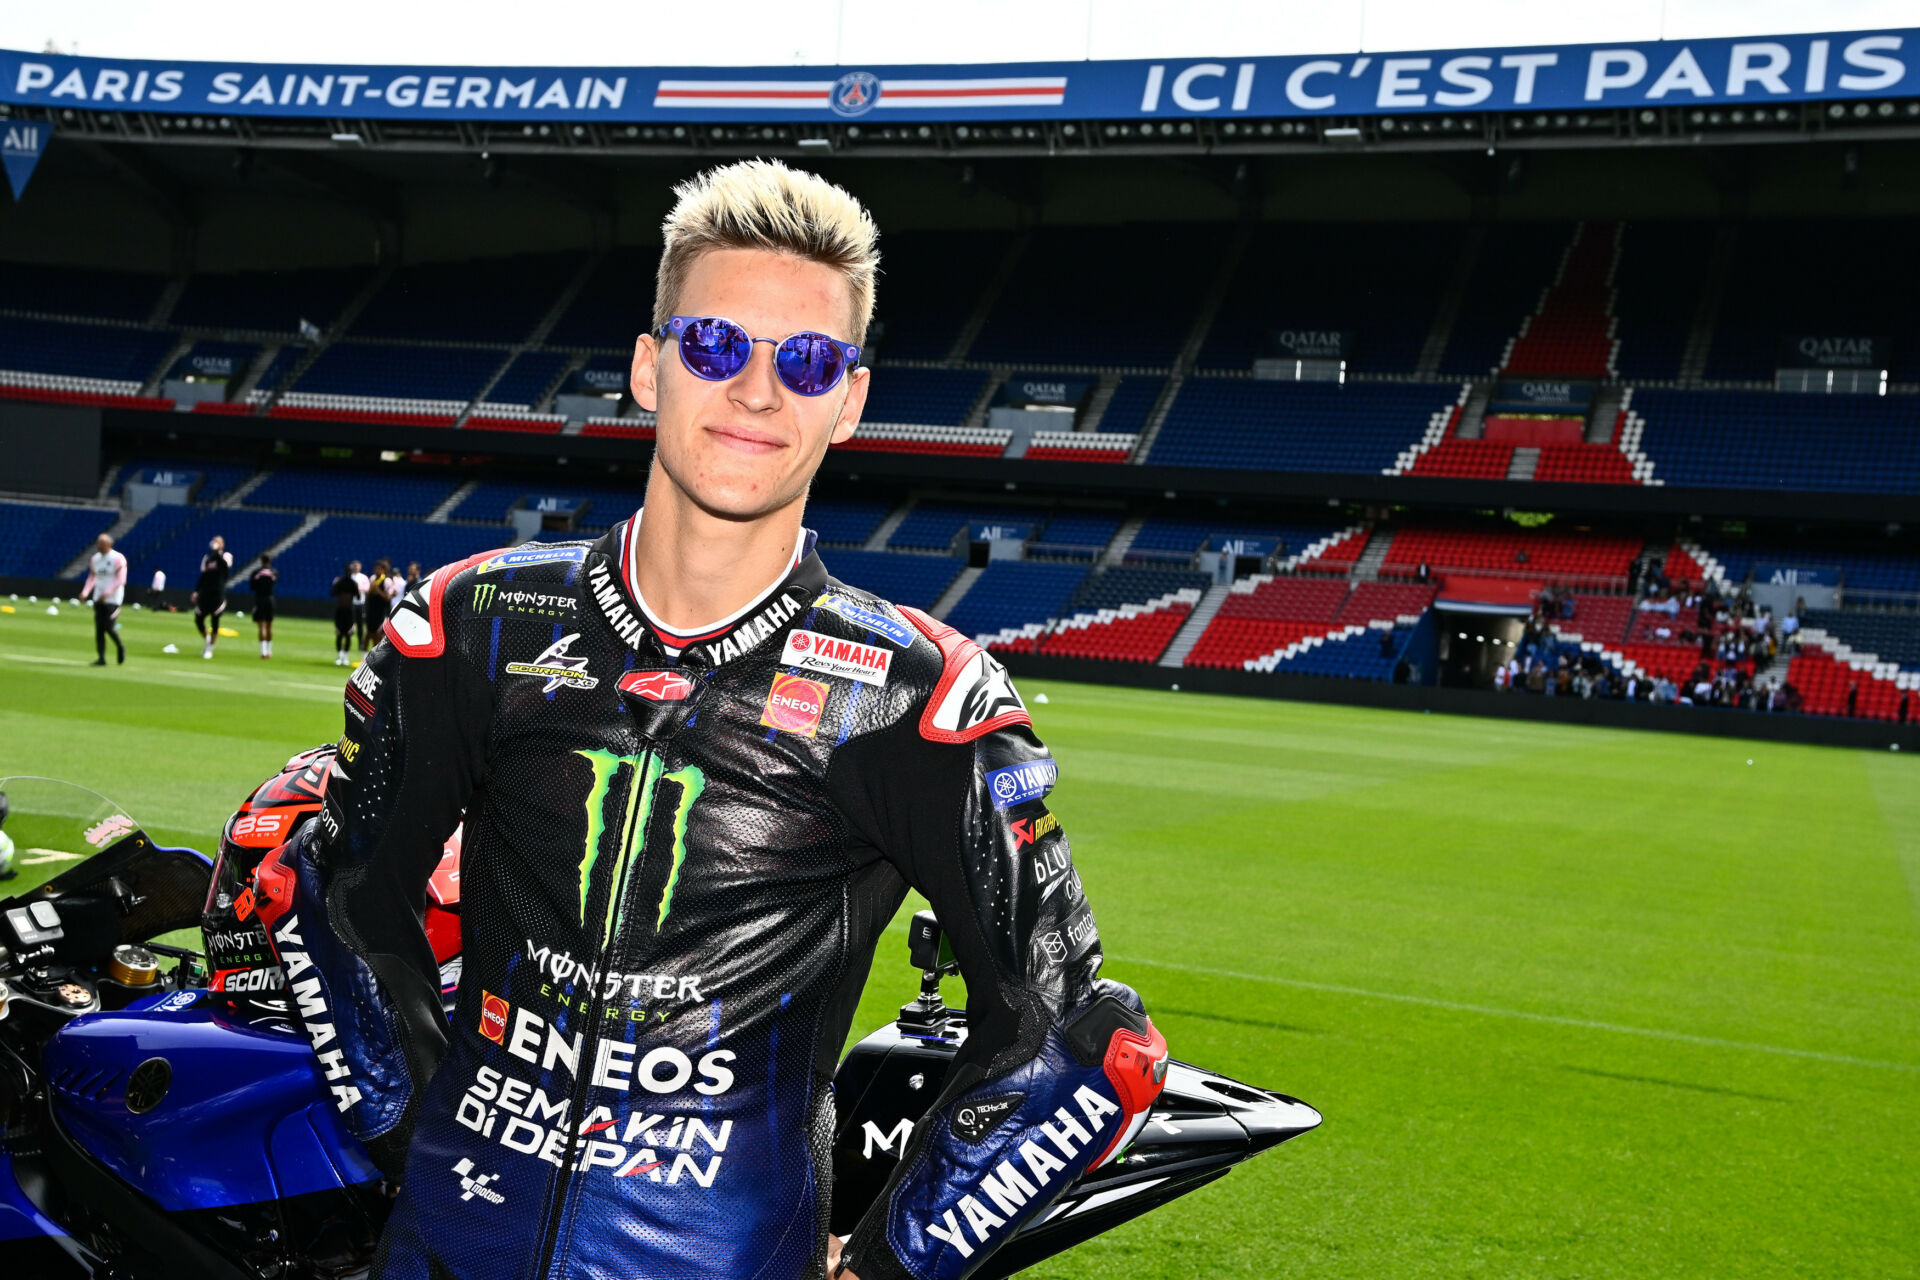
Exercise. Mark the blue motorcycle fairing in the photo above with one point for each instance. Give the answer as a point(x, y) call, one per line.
point(20, 1218)
point(243, 1117)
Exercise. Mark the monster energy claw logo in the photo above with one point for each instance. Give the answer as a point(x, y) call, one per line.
point(644, 776)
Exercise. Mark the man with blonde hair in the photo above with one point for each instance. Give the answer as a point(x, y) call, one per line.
point(698, 777)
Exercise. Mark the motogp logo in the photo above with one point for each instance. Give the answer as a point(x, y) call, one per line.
point(855, 93)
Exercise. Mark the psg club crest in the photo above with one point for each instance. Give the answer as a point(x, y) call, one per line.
point(855, 93)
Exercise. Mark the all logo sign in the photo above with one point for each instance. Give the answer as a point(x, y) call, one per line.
point(22, 143)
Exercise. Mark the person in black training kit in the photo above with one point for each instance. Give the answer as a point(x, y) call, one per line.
point(344, 590)
point(379, 599)
point(262, 583)
point(210, 593)
point(697, 779)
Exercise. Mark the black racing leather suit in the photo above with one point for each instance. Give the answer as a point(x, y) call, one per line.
point(673, 879)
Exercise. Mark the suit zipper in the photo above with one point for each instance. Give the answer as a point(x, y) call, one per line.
point(596, 1010)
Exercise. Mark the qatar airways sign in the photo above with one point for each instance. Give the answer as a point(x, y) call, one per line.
point(1733, 71)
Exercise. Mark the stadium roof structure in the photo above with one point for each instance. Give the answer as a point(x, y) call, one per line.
point(1837, 86)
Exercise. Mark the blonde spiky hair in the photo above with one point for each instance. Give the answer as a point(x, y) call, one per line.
point(762, 204)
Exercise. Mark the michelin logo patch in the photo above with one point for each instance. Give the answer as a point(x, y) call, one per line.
point(536, 554)
point(1019, 783)
point(879, 623)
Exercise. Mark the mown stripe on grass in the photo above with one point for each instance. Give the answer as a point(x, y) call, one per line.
point(1585, 1024)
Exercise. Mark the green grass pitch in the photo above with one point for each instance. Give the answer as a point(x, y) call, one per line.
point(1575, 1002)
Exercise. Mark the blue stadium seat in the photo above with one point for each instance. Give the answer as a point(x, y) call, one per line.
point(845, 523)
point(177, 543)
point(38, 542)
point(360, 492)
point(483, 300)
point(903, 579)
point(527, 378)
point(1663, 266)
point(413, 373)
point(1082, 534)
point(269, 301)
point(931, 526)
point(216, 478)
point(1779, 440)
point(1174, 538)
point(1131, 584)
point(1892, 637)
point(1358, 427)
point(930, 282)
point(79, 291)
point(280, 368)
point(615, 306)
point(1123, 295)
point(1381, 284)
point(1355, 657)
point(937, 397)
point(81, 350)
point(1132, 401)
point(310, 565)
point(1014, 593)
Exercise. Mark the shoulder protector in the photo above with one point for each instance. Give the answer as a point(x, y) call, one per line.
point(974, 695)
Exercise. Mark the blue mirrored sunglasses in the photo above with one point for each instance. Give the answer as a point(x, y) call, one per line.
point(714, 348)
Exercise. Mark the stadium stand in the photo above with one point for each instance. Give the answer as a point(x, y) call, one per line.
point(1112, 296)
point(1657, 286)
point(1133, 399)
point(903, 579)
point(371, 369)
point(79, 291)
point(1791, 277)
point(1825, 681)
point(1263, 615)
point(934, 397)
point(491, 300)
point(527, 378)
point(39, 541)
point(210, 358)
point(279, 369)
point(107, 353)
point(1380, 287)
point(310, 565)
point(1296, 426)
point(1774, 440)
point(1571, 334)
point(1517, 262)
point(1882, 639)
point(1122, 614)
point(615, 304)
point(1351, 653)
point(269, 301)
point(1874, 571)
point(1177, 539)
point(1076, 534)
point(178, 544)
point(929, 285)
point(902, 437)
point(369, 494)
point(1081, 446)
point(845, 524)
point(1474, 459)
point(1014, 599)
point(1515, 553)
point(932, 526)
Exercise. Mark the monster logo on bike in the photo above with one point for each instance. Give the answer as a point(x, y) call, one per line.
point(644, 778)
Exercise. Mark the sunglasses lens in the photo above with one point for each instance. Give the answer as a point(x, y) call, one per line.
point(810, 363)
point(715, 349)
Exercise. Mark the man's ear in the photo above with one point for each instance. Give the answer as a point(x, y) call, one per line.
point(645, 375)
point(850, 410)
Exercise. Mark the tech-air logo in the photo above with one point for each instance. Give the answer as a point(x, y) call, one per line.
point(644, 775)
point(515, 602)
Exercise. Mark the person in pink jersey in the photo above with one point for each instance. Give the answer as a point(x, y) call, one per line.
point(106, 586)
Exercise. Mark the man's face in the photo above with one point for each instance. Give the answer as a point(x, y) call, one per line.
point(749, 446)
point(353, 566)
point(102, 544)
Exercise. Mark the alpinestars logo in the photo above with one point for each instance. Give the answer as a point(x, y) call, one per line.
point(472, 1184)
point(644, 776)
point(657, 686)
point(982, 691)
point(557, 666)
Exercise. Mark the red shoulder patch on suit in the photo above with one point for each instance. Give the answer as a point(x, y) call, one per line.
point(974, 695)
point(417, 624)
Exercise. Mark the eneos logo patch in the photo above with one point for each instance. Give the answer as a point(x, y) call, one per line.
point(794, 705)
point(493, 1017)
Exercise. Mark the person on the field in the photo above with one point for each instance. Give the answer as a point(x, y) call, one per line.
point(360, 584)
point(210, 593)
point(697, 781)
point(157, 590)
point(344, 591)
point(379, 598)
point(413, 577)
point(262, 582)
point(106, 586)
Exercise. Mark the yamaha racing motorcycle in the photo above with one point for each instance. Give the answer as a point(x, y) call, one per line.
point(161, 1116)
